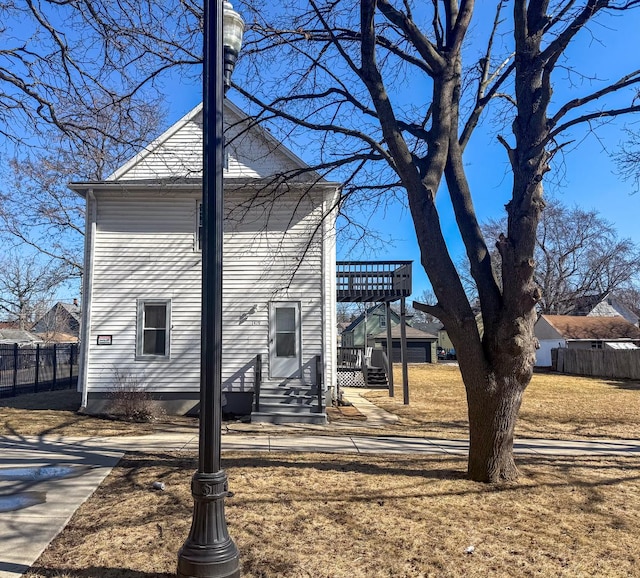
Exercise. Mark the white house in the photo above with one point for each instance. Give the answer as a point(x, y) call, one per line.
point(583, 332)
point(142, 285)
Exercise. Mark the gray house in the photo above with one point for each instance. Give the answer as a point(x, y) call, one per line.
point(369, 323)
point(61, 323)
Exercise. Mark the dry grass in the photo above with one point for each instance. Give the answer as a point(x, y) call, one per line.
point(333, 516)
point(55, 413)
point(555, 406)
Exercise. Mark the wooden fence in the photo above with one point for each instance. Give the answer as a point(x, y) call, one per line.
point(614, 363)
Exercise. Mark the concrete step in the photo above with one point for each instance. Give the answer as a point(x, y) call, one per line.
point(307, 391)
point(288, 399)
point(276, 406)
point(288, 390)
point(282, 417)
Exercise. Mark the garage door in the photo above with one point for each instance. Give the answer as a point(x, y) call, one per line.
point(417, 352)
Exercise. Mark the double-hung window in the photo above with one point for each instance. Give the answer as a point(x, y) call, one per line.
point(154, 329)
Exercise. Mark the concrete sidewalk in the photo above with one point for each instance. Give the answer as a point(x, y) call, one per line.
point(42, 484)
point(44, 480)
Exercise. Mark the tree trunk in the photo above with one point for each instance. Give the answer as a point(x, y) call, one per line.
point(492, 419)
point(495, 385)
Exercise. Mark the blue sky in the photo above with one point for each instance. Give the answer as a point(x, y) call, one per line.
point(585, 175)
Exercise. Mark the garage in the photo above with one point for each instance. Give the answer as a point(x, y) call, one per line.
point(421, 345)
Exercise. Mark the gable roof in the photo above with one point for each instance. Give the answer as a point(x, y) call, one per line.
point(20, 336)
point(428, 326)
point(584, 304)
point(177, 152)
point(574, 327)
point(58, 312)
point(369, 312)
point(412, 333)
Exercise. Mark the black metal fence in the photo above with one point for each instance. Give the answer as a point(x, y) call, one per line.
point(40, 368)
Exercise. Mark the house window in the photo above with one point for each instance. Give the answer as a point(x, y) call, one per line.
point(154, 328)
point(596, 345)
point(383, 321)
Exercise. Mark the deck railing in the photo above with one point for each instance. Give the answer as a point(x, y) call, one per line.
point(370, 281)
point(350, 357)
point(319, 381)
point(257, 381)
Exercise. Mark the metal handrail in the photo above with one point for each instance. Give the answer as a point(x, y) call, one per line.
point(257, 380)
point(319, 381)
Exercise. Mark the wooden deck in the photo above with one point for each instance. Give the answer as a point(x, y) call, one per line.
point(373, 281)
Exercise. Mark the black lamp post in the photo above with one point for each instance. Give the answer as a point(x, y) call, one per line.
point(209, 551)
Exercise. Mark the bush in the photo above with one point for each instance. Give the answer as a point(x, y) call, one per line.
point(129, 400)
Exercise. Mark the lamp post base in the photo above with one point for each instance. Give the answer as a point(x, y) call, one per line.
point(208, 552)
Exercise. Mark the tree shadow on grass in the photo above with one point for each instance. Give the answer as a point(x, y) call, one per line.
point(93, 572)
point(58, 400)
point(628, 384)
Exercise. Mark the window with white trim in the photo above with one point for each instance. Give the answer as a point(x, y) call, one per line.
point(154, 329)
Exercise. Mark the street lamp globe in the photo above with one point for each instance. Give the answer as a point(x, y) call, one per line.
point(232, 31)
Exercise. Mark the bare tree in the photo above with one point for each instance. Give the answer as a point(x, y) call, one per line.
point(36, 207)
point(68, 64)
point(578, 253)
point(393, 94)
point(25, 285)
point(628, 158)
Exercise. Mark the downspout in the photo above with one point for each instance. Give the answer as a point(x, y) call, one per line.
point(330, 334)
point(87, 292)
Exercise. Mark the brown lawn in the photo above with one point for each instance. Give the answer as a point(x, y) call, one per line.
point(554, 406)
point(55, 413)
point(333, 516)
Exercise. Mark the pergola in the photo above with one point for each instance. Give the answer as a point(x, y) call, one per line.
point(379, 282)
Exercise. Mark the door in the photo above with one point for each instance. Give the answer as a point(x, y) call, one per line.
point(285, 341)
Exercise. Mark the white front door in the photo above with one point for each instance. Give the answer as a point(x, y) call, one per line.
point(285, 343)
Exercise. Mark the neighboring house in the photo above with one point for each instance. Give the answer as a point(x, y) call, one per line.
point(142, 284)
point(421, 346)
point(603, 305)
point(439, 329)
point(584, 332)
point(435, 328)
point(60, 324)
point(341, 326)
point(370, 322)
point(20, 336)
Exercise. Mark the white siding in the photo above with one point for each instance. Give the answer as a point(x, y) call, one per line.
point(178, 153)
point(543, 354)
point(269, 257)
point(144, 248)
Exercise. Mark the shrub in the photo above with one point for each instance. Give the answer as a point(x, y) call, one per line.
point(129, 400)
